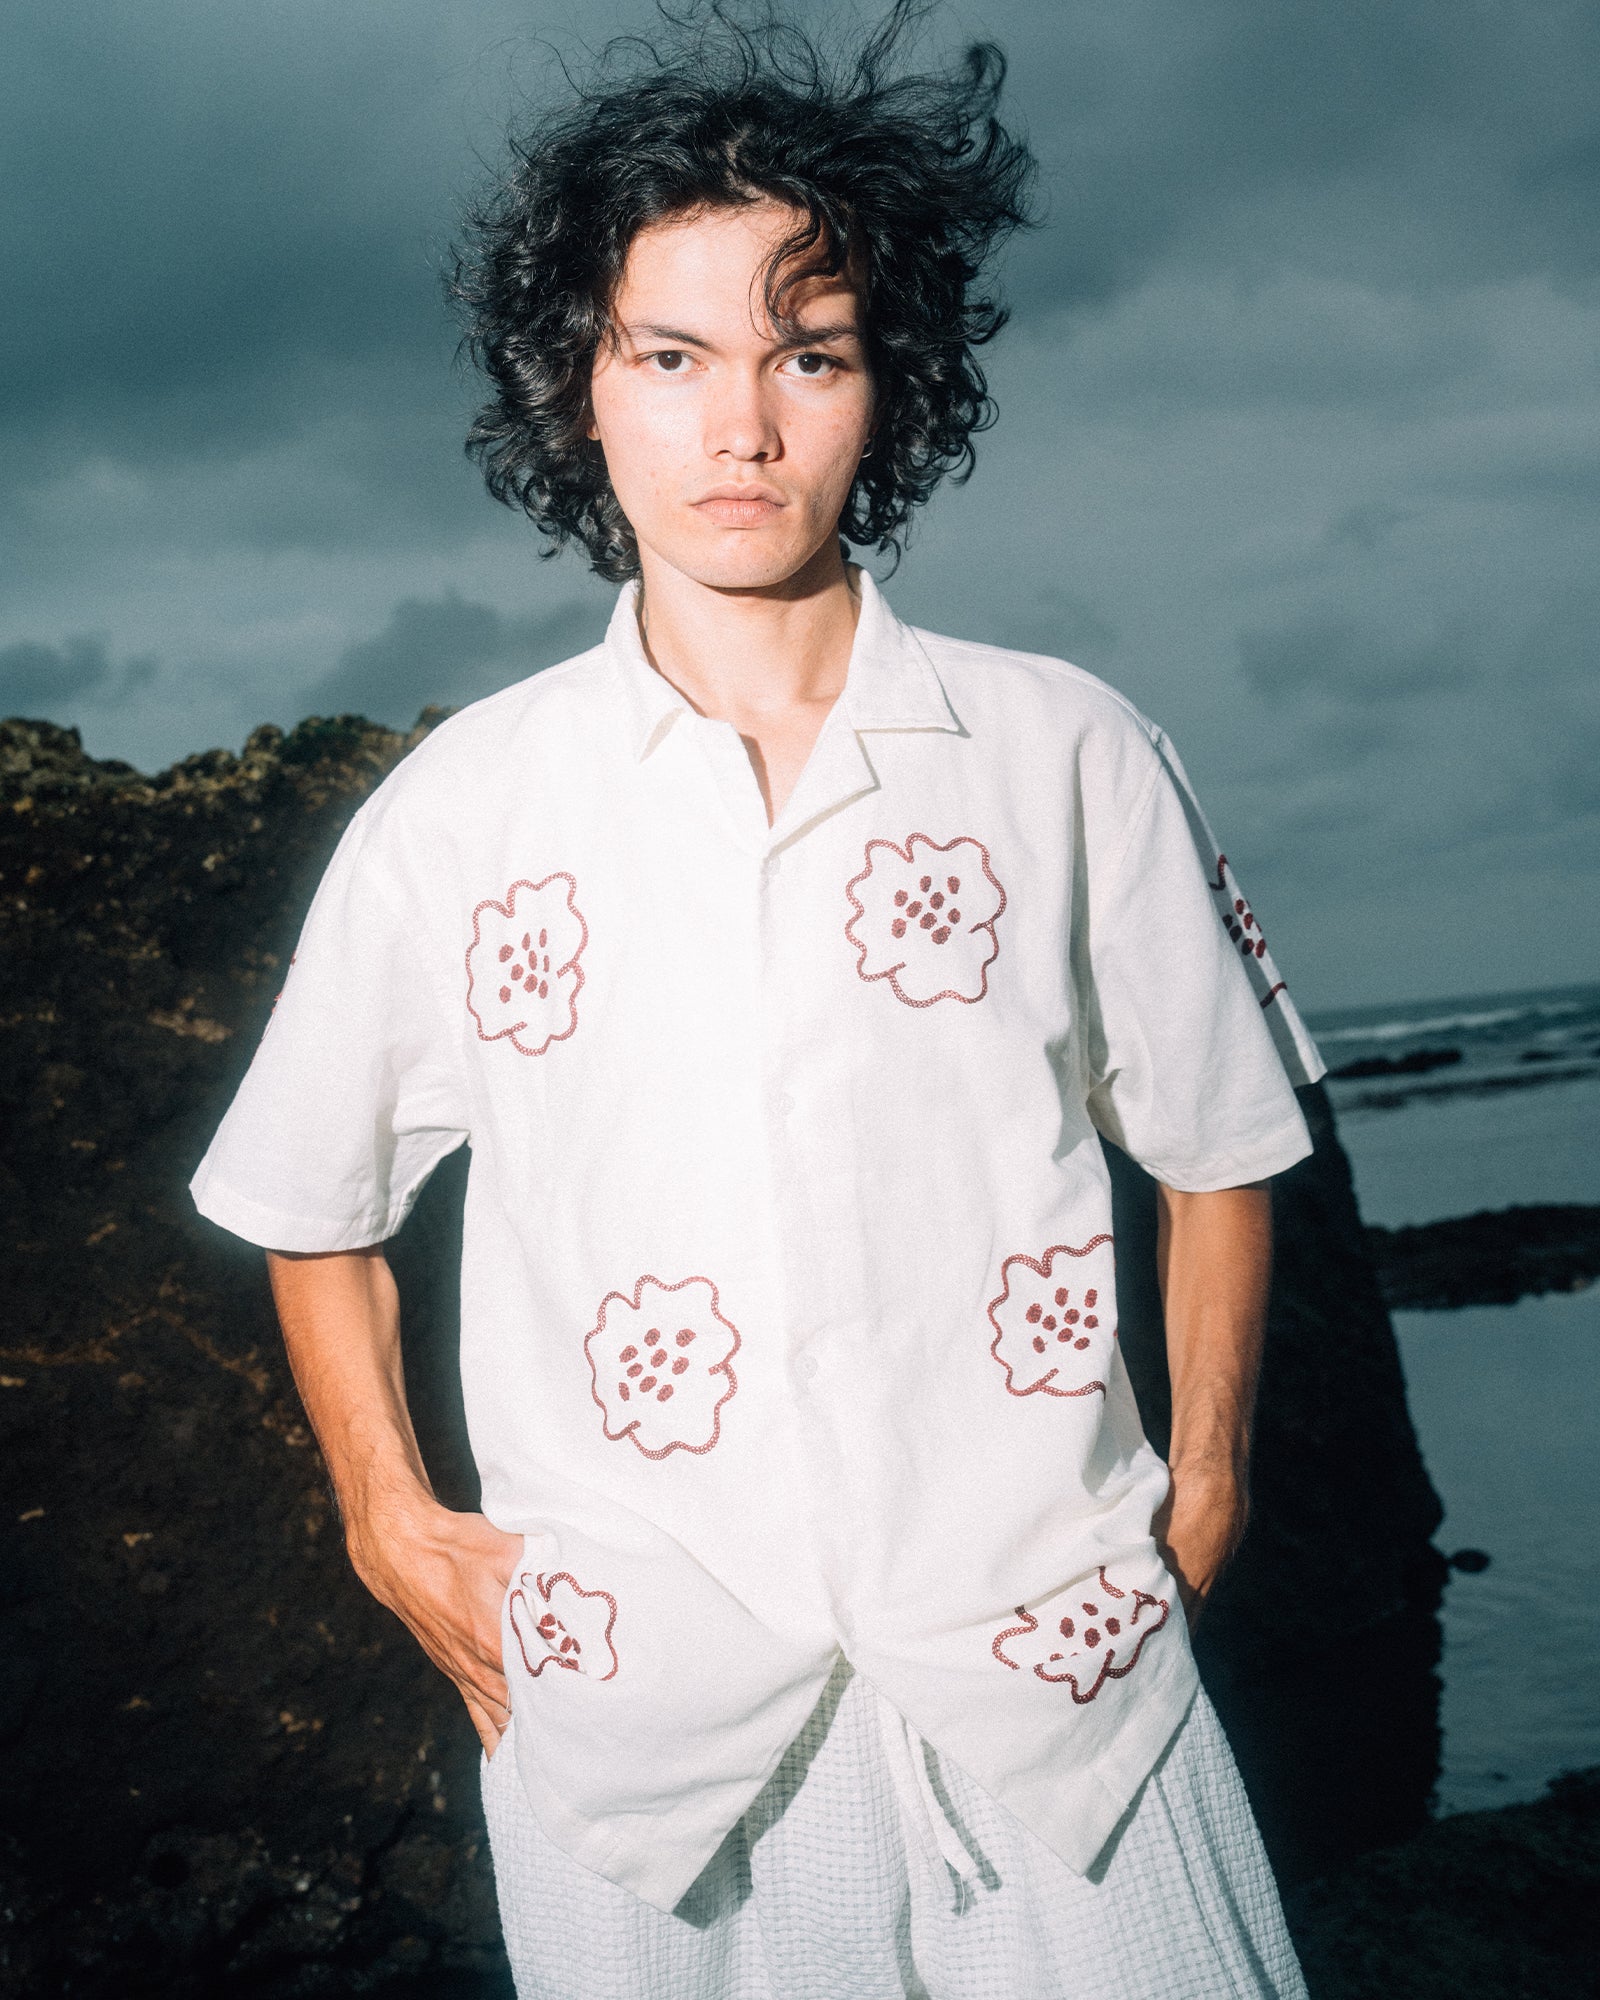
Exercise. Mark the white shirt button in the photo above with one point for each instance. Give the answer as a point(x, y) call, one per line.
point(786, 1103)
point(807, 1368)
point(774, 863)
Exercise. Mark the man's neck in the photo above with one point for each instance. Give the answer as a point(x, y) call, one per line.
point(758, 657)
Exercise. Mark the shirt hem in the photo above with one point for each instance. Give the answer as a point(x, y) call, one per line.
point(276, 1229)
point(1290, 1143)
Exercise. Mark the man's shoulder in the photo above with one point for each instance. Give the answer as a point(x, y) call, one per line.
point(552, 710)
point(1032, 689)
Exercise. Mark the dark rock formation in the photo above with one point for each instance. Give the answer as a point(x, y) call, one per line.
point(1417, 1063)
point(1481, 1906)
point(1490, 1259)
point(1320, 1643)
point(226, 1768)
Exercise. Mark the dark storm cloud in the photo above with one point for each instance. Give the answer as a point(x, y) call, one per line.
point(1423, 143)
point(37, 679)
point(451, 651)
point(1332, 657)
point(205, 205)
point(1304, 353)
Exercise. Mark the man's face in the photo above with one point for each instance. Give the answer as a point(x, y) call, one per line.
point(731, 450)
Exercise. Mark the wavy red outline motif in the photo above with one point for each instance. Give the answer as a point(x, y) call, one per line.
point(507, 910)
point(545, 1585)
point(1107, 1672)
point(629, 1430)
point(1041, 1270)
point(1220, 887)
point(904, 853)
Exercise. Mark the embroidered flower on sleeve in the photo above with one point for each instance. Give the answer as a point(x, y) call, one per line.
point(523, 973)
point(1099, 1637)
point(1054, 1322)
point(924, 918)
point(662, 1364)
point(560, 1624)
point(1239, 920)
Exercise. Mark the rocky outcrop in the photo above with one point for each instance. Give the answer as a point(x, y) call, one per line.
point(226, 1768)
point(1496, 1905)
point(1320, 1644)
point(1490, 1259)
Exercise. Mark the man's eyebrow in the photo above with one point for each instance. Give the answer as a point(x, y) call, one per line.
point(810, 336)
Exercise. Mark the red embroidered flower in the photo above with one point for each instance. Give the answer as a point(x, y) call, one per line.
point(523, 974)
point(1239, 920)
point(924, 918)
point(662, 1365)
point(1097, 1638)
point(564, 1626)
point(1053, 1326)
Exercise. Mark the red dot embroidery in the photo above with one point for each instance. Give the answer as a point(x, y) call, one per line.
point(1106, 1651)
point(510, 1008)
point(941, 953)
point(1023, 1314)
point(701, 1383)
point(576, 1637)
point(1243, 926)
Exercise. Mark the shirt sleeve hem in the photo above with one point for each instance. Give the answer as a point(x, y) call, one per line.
point(1289, 1143)
point(275, 1229)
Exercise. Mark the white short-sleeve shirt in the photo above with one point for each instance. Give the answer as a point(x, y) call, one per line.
point(789, 1312)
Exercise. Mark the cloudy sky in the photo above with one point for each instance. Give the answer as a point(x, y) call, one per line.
point(1299, 439)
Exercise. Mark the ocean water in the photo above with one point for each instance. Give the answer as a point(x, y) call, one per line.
point(1505, 1398)
point(1513, 1117)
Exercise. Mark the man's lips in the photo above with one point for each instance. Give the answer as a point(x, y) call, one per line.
point(739, 506)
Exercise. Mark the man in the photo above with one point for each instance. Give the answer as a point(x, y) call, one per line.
point(826, 1624)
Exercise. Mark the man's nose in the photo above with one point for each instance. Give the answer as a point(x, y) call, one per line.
point(741, 424)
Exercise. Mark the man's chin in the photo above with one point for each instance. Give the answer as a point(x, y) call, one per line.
point(743, 559)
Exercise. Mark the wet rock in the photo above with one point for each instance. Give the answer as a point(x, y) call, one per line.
point(1489, 1259)
point(1417, 1062)
point(1497, 1905)
point(1338, 1564)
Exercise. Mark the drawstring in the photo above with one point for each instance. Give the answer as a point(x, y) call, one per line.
point(906, 1755)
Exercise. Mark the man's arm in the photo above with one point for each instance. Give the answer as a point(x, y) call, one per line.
point(444, 1574)
point(1214, 1258)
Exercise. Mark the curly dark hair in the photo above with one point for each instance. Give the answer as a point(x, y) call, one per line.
point(908, 178)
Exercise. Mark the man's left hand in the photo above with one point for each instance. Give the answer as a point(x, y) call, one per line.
point(1198, 1527)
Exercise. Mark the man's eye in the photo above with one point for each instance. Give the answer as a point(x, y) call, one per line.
point(670, 360)
point(815, 365)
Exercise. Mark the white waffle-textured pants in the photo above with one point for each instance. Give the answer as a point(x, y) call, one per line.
point(871, 1869)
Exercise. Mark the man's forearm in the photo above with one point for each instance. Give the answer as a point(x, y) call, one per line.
point(1215, 1259)
point(341, 1324)
point(1215, 1264)
point(443, 1573)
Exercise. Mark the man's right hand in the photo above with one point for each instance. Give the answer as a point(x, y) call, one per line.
point(445, 1575)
